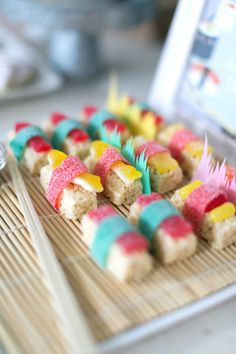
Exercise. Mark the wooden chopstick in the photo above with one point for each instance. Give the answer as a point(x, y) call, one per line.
point(76, 330)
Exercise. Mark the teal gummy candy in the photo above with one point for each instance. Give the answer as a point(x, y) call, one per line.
point(107, 233)
point(96, 121)
point(153, 215)
point(19, 142)
point(62, 130)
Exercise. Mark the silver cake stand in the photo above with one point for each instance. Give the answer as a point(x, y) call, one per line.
point(74, 27)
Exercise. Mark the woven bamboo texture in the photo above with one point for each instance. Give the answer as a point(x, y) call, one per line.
point(30, 323)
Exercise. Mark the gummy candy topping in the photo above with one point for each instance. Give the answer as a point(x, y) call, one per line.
point(113, 124)
point(132, 242)
point(127, 173)
point(145, 199)
point(150, 149)
point(38, 144)
point(57, 118)
point(224, 211)
point(177, 227)
point(163, 163)
point(55, 158)
point(88, 111)
point(21, 125)
point(78, 135)
point(188, 189)
point(97, 215)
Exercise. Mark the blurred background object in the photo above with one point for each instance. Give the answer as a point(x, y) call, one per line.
point(73, 28)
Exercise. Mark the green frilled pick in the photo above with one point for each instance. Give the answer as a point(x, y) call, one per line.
point(108, 231)
point(62, 130)
point(152, 216)
point(18, 143)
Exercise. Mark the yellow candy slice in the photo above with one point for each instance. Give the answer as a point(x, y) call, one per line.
point(89, 182)
point(55, 158)
point(195, 149)
point(168, 132)
point(224, 211)
point(163, 163)
point(184, 192)
point(148, 127)
point(98, 147)
point(127, 173)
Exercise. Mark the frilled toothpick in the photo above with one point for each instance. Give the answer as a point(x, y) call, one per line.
point(217, 176)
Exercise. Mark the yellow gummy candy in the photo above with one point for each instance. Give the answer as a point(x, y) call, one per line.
point(89, 182)
point(187, 190)
point(55, 158)
point(98, 147)
point(222, 212)
point(163, 163)
point(195, 149)
point(148, 126)
point(126, 172)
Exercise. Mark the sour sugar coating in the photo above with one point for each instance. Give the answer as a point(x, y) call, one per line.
point(115, 244)
point(69, 187)
point(68, 135)
point(165, 173)
point(184, 146)
point(171, 237)
point(121, 181)
point(30, 147)
point(209, 211)
point(96, 119)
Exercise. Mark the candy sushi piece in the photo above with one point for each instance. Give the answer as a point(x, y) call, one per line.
point(68, 135)
point(95, 119)
point(184, 146)
point(69, 187)
point(165, 173)
point(30, 147)
point(115, 244)
point(209, 211)
point(121, 181)
point(171, 237)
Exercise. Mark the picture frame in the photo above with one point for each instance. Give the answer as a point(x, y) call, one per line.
point(171, 73)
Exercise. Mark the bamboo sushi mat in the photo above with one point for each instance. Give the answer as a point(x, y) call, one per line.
point(30, 322)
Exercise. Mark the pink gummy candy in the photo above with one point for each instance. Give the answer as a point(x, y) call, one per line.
point(179, 140)
point(57, 118)
point(145, 199)
point(97, 215)
point(21, 125)
point(176, 226)
point(62, 177)
point(203, 199)
point(132, 242)
point(104, 164)
point(150, 149)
